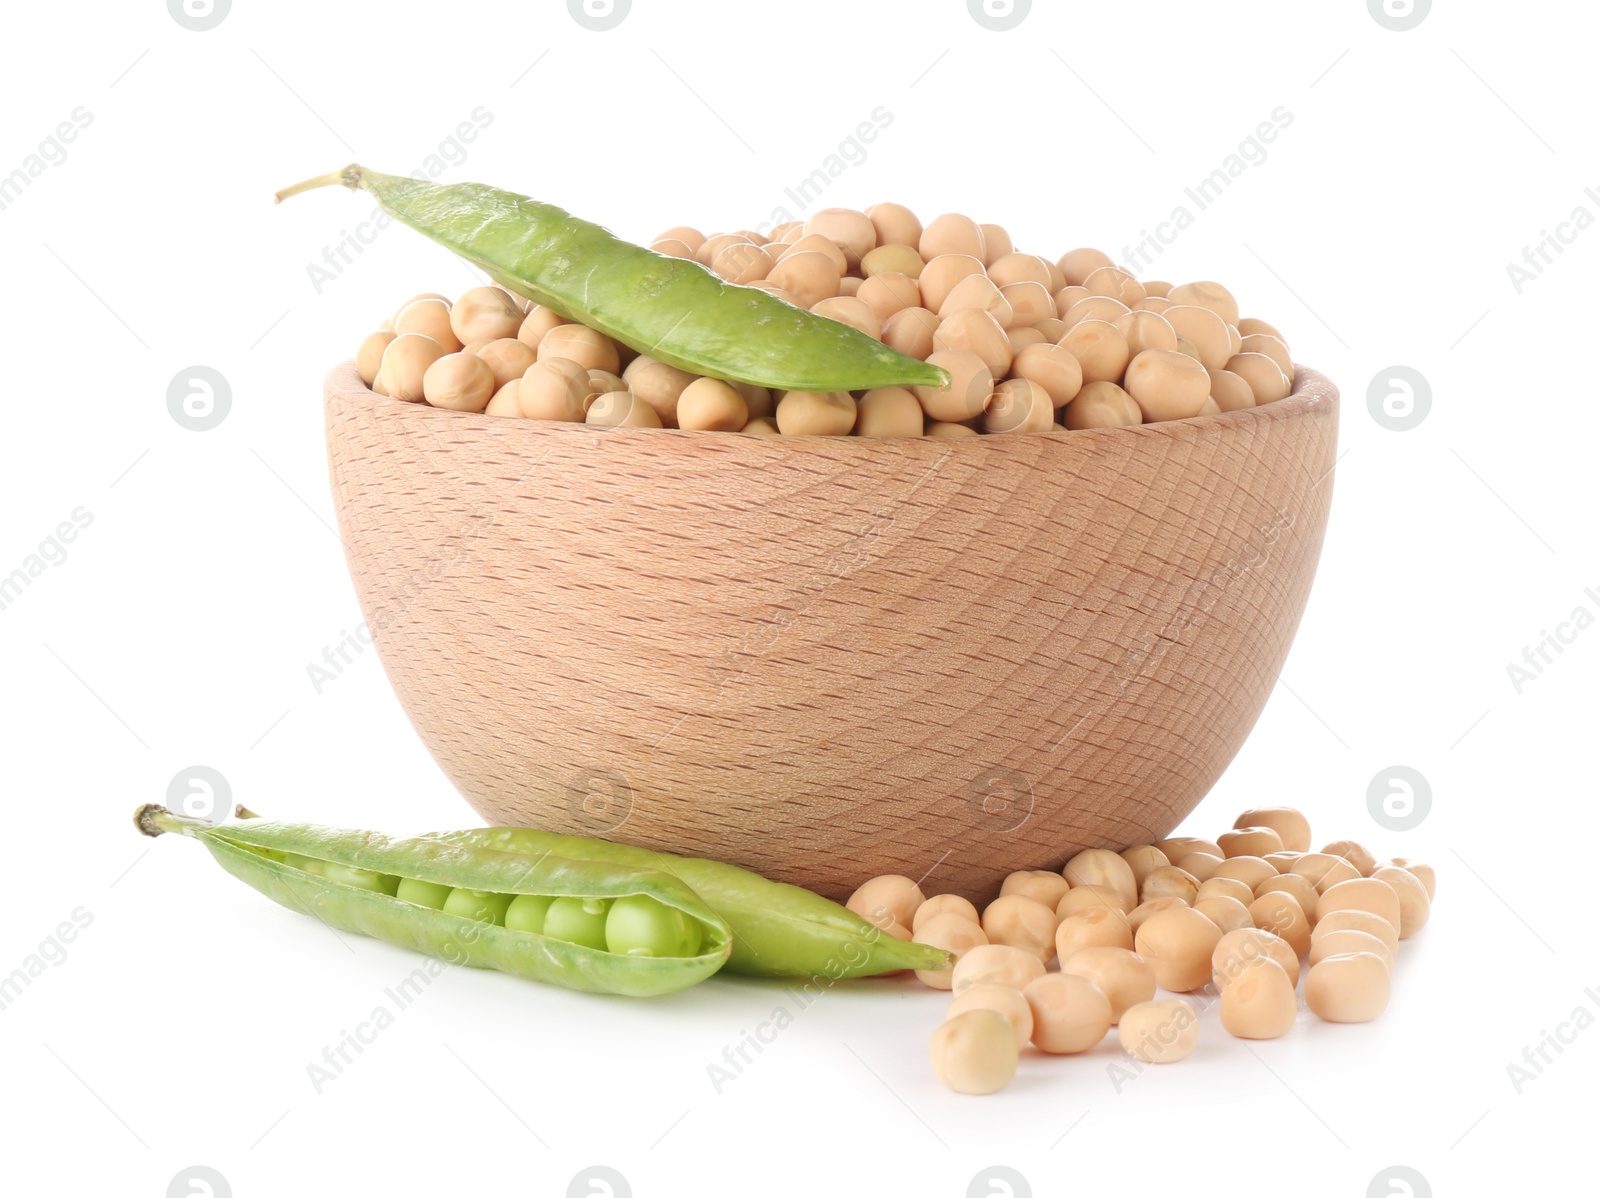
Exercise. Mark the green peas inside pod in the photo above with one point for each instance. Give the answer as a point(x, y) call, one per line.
point(423, 894)
point(526, 913)
point(361, 879)
point(306, 865)
point(578, 921)
point(482, 905)
point(639, 926)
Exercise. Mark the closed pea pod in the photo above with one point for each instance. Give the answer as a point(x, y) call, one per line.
point(692, 319)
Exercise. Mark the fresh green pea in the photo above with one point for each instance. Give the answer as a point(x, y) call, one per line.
point(362, 879)
point(423, 894)
point(672, 309)
point(527, 911)
point(306, 865)
point(482, 905)
point(638, 926)
point(577, 921)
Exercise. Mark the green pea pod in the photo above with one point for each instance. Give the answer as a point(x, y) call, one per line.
point(284, 861)
point(778, 930)
point(672, 309)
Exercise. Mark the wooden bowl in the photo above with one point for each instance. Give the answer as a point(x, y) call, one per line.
point(826, 658)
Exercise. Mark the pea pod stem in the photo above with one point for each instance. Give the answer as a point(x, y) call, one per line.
point(348, 176)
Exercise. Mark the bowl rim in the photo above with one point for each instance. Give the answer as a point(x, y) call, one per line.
point(1314, 395)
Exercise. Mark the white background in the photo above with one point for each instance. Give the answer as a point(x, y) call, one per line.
point(179, 1027)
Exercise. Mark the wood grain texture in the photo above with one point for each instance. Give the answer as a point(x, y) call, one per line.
point(829, 658)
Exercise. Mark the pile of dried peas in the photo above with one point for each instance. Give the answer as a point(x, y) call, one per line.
point(1031, 344)
point(1239, 913)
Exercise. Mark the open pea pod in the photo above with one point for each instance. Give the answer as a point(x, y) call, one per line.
point(778, 930)
point(290, 864)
